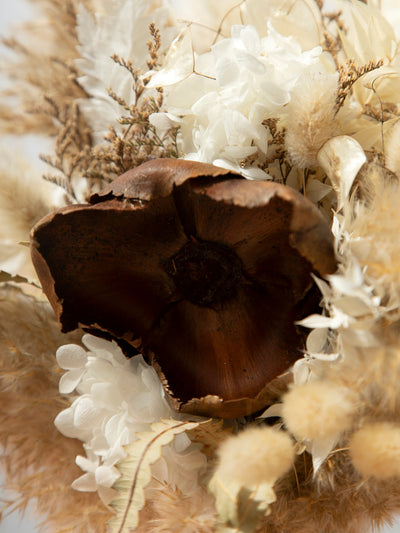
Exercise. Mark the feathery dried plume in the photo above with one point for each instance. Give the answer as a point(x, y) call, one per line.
point(24, 199)
point(168, 510)
point(29, 402)
point(39, 69)
point(311, 118)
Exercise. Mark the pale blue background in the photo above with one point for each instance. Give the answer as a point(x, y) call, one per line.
point(11, 11)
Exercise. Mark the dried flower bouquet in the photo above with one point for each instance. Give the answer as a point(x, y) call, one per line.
point(200, 302)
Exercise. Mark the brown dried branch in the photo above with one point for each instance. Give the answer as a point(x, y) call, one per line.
point(72, 148)
point(349, 73)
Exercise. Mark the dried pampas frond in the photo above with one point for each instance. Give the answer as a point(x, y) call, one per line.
point(47, 46)
point(24, 199)
point(168, 510)
point(29, 402)
point(311, 118)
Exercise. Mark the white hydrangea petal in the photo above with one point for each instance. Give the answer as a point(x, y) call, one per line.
point(164, 122)
point(181, 442)
point(71, 356)
point(106, 395)
point(95, 344)
point(70, 380)
point(85, 464)
point(101, 370)
point(85, 483)
point(87, 414)
point(150, 379)
point(106, 475)
point(64, 422)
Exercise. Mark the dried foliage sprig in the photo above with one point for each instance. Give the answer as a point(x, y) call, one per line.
point(125, 148)
point(349, 73)
point(72, 148)
point(138, 140)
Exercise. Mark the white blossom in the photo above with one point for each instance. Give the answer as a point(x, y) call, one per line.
point(221, 106)
point(116, 399)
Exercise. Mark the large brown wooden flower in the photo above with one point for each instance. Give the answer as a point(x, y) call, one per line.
point(207, 269)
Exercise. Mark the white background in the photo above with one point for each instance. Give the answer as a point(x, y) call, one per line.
point(12, 11)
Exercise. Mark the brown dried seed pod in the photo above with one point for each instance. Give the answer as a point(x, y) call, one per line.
point(207, 269)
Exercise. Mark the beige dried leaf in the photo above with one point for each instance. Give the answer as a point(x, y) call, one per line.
point(136, 471)
point(210, 434)
point(341, 158)
point(240, 508)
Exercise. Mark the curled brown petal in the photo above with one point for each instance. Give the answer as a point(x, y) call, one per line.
point(208, 269)
point(98, 271)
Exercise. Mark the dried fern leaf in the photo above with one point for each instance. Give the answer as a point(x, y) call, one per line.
point(136, 471)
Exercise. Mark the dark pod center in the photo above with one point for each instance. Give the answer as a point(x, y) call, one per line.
point(205, 273)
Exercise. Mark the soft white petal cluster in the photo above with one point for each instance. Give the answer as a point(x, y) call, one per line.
point(222, 102)
point(117, 398)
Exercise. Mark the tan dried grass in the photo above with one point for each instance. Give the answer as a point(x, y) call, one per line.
point(39, 462)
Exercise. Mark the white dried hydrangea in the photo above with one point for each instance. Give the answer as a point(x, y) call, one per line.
point(116, 398)
point(225, 95)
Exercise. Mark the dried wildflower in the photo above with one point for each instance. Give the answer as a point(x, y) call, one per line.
point(177, 244)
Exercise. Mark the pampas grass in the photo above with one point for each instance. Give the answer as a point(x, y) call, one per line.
point(311, 119)
point(38, 461)
point(168, 510)
point(42, 66)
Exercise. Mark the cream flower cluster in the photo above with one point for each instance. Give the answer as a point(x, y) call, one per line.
point(117, 398)
point(222, 102)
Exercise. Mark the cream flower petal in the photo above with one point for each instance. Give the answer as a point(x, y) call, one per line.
point(85, 464)
point(106, 475)
point(71, 356)
point(70, 380)
point(85, 483)
point(87, 414)
point(64, 422)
